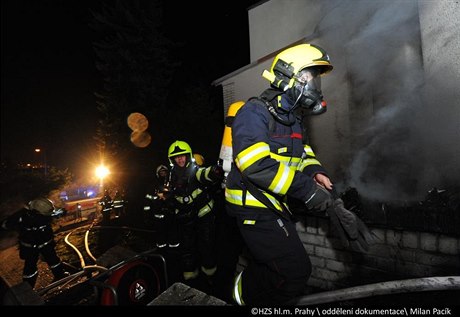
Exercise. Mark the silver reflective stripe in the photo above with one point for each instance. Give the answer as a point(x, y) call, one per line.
point(31, 275)
point(36, 245)
point(314, 194)
point(56, 265)
point(237, 289)
point(36, 228)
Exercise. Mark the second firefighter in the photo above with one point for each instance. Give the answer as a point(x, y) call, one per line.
point(194, 209)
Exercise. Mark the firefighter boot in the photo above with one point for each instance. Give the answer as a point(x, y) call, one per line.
point(58, 272)
point(31, 279)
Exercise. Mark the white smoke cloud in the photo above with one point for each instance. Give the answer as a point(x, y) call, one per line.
point(405, 126)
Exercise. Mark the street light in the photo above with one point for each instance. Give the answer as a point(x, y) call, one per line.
point(101, 173)
point(38, 150)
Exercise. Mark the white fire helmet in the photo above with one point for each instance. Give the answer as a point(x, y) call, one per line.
point(43, 205)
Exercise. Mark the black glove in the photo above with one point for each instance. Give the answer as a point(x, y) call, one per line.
point(216, 173)
point(352, 231)
point(319, 198)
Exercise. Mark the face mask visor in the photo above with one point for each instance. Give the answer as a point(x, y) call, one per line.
point(310, 78)
point(308, 87)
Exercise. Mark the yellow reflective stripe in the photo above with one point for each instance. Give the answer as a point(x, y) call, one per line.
point(282, 150)
point(196, 192)
point(292, 161)
point(249, 222)
point(199, 172)
point(209, 272)
point(235, 197)
point(206, 174)
point(311, 161)
point(192, 196)
point(282, 180)
point(189, 274)
point(206, 209)
point(231, 196)
point(309, 150)
point(255, 152)
point(307, 162)
point(206, 171)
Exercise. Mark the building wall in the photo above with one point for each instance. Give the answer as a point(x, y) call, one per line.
point(397, 254)
point(278, 23)
point(440, 34)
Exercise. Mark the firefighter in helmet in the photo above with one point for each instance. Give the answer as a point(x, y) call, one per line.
point(199, 159)
point(36, 237)
point(194, 209)
point(159, 206)
point(106, 204)
point(119, 204)
point(272, 162)
point(162, 174)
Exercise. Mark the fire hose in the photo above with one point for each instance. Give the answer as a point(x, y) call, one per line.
point(437, 283)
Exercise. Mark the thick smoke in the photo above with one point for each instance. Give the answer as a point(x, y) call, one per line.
point(404, 122)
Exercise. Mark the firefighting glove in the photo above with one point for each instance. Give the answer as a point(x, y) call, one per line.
point(351, 230)
point(216, 173)
point(319, 198)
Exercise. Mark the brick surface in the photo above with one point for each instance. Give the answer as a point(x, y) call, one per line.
point(448, 245)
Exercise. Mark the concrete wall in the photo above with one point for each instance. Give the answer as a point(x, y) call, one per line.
point(440, 34)
point(278, 23)
point(397, 254)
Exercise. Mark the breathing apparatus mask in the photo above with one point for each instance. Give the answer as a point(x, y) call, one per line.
point(306, 91)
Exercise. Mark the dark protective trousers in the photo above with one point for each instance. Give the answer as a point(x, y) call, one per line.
point(167, 230)
point(198, 243)
point(30, 255)
point(279, 267)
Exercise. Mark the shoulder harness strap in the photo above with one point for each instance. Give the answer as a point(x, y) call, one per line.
point(267, 98)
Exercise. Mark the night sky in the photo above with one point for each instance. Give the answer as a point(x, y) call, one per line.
point(49, 75)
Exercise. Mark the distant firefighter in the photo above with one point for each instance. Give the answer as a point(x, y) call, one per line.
point(119, 204)
point(106, 203)
point(159, 206)
point(78, 216)
point(36, 237)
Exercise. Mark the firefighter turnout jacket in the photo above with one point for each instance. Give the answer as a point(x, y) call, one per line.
point(271, 163)
point(190, 189)
point(271, 155)
point(36, 238)
point(34, 229)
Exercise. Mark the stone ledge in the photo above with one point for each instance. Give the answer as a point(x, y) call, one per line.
point(182, 295)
